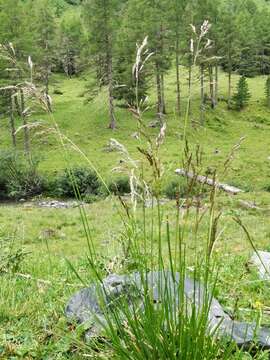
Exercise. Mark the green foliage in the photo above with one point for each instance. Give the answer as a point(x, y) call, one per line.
point(74, 2)
point(44, 32)
point(78, 182)
point(176, 188)
point(242, 96)
point(33, 326)
point(72, 38)
point(120, 186)
point(19, 177)
point(182, 188)
point(11, 256)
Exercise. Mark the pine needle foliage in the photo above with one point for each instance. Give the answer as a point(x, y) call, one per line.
point(242, 95)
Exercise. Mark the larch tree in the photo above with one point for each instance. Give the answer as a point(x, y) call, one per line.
point(44, 29)
point(229, 43)
point(101, 19)
point(71, 40)
point(178, 33)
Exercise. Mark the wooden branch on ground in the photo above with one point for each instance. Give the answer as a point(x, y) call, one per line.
point(205, 180)
point(249, 205)
point(9, 88)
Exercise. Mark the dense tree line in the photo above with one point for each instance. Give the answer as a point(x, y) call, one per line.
point(72, 36)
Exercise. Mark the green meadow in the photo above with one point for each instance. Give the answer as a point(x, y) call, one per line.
point(39, 241)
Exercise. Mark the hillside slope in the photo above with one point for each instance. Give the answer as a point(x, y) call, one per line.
point(86, 125)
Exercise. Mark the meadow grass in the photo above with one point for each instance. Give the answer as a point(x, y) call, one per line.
point(86, 125)
point(32, 307)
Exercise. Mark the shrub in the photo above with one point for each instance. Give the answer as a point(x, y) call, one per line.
point(90, 199)
point(174, 188)
point(267, 188)
point(77, 182)
point(258, 119)
point(19, 177)
point(120, 186)
point(182, 188)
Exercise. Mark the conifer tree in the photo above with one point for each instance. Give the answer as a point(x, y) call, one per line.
point(44, 28)
point(242, 95)
point(228, 39)
point(71, 39)
point(101, 19)
point(178, 30)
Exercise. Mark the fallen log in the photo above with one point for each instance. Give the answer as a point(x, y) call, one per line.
point(205, 180)
point(9, 88)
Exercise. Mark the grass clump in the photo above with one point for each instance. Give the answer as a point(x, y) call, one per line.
point(19, 177)
point(160, 318)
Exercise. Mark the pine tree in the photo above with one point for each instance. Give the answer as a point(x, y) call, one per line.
point(101, 19)
point(71, 40)
point(44, 28)
point(178, 30)
point(130, 33)
point(242, 95)
point(229, 48)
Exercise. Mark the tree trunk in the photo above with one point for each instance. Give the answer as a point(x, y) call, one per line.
point(229, 80)
point(17, 105)
point(177, 64)
point(216, 83)
point(189, 84)
point(159, 93)
point(163, 106)
point(202, 96)
point(211, 84)
point(112, 124)
point(12, 123)
point(229, 88)
point(163, 93)
point(47, 74)
point(25, 129)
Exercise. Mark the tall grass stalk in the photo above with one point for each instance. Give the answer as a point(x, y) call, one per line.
point(175, 326)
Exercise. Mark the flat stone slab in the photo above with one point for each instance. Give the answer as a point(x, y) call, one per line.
point(56, 204)
point(261, 259)
point(85, 306)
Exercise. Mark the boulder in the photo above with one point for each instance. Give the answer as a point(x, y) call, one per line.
point(261, 259)
point(85, 306)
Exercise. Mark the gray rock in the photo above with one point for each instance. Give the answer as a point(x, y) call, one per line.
point(85, 306)
point(153, 202)
point(261, 259)
point(55, 204)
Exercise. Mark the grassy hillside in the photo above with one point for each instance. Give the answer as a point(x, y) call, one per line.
point(86, 125)
point(262, 2)
point(32, 299)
